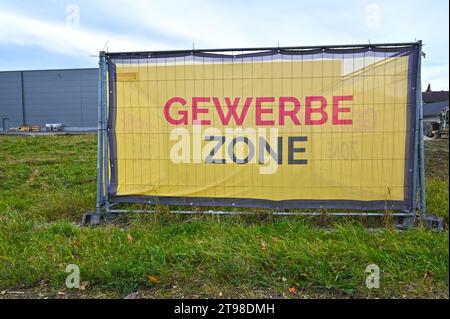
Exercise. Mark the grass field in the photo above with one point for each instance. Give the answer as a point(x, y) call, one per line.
point(46, 183)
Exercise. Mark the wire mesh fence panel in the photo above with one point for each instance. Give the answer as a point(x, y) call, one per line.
point(276, 128)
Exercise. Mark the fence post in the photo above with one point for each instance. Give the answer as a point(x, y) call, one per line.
point(105, 133)
point(423, 204)
point(430, 221)
point(100, 197)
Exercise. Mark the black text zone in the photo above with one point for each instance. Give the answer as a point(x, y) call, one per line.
point(239, 146)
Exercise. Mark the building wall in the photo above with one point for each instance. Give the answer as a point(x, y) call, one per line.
point(68, 97)
point(10, 99)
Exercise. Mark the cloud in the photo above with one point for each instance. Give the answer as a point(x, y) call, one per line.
point(21, 30)
point(155, 25)
point(233, 24)
point(207, 23)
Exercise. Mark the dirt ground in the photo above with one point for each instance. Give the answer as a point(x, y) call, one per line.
point(436, 158)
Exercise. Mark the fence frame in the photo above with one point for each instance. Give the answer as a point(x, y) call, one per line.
point(104, 208)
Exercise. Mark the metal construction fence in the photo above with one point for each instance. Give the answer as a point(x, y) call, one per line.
point(286, 128)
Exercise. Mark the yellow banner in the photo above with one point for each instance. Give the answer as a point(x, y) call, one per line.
point(294, 129)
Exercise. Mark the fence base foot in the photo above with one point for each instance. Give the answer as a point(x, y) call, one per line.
point(405, 222)
point(434, 223)
point(92, 219)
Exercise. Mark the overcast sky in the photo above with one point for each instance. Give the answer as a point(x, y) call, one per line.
point(68, 34)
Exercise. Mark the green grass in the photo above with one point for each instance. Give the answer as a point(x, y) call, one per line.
point(48, 177)
point(437, 197)
point(47, 182)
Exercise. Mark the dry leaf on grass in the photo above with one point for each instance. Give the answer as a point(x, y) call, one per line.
point(293, 290)
point(275, 239)
point(263, 245)
point(130, 238)
point(152, 278)
point(84, 285)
